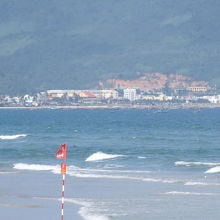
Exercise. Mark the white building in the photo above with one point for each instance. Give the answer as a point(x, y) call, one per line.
point(130, 94)
point(213, 99)
point(28, 99)
point(102, 94)
point(105, 93)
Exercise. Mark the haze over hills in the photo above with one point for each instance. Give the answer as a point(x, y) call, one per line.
point(51, 44)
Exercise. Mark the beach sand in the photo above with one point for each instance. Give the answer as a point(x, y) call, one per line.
point(33, 196)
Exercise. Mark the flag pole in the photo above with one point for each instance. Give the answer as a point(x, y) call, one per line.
point(61, 154)
point(63, 171)
point(62, 199)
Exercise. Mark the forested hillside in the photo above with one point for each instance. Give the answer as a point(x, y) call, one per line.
point(51, 44)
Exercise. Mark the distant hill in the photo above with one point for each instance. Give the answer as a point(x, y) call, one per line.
point(50, 44)
point(150, 82)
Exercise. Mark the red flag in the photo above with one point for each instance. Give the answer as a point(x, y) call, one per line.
point(61, 153)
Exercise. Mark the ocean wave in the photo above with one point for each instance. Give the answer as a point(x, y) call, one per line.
point(20, 205)
point(213, 170)
point(7, 172)
point(86, 214)
point(36, 167)
point(88, 209)
point(201, 184)
point(74, 170)
point(94, 173)
point(89, 170)
point(189, 193)
point(104, 176)
point(113, 166)
point(98, 156)
point(185, 163)
point(11, 137)
point(159, 180)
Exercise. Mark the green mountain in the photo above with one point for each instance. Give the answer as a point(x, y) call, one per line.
point(51, 44)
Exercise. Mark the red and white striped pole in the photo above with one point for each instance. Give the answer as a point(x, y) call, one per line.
point(63, 171)
point(61, 154)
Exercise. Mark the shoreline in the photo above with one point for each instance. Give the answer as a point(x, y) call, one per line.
point(159, 107)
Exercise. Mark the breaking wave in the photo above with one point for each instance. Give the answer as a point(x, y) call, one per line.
point(95, 173)
point(98, 156)
point(11, 137)
point(7, 172)
point(84, 212)
point(88, 209)
point(213, 170)
point(36, 167)
point(188, 193)
point(103, 176)
point(184, 163)
point(201, 184)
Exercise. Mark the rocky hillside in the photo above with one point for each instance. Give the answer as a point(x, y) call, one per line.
point(154, 81)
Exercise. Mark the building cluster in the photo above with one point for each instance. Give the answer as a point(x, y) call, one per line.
point(120, 96)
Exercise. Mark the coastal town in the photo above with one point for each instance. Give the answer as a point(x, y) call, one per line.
point(149, 91)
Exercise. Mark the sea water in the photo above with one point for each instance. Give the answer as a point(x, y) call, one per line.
point(122, 164)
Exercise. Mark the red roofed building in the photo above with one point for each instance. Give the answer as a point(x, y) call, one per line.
point(89, 94)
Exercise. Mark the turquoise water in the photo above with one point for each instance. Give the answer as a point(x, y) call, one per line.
point(155, 161)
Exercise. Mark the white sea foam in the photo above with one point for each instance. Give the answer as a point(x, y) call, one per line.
point(36, 167)
point(88, 210)
point(78, 201)
point(85, 213)
point(201, 184)
point(140, 157)
point(188, 193)
point(213, 170)
point(7, 172)
point(113, 166)
point(185, 163)
point(104, 176)
point(11, 137)
point(158, 180)
point(89, 170)
point(94, 173)
point(72, 170)
point(98, 156)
